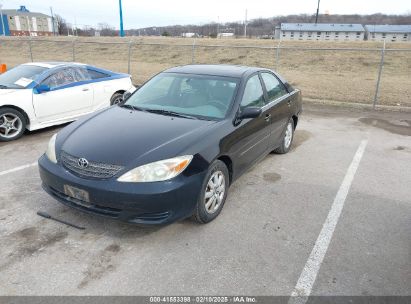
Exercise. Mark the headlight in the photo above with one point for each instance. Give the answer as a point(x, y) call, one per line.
point(51, 149)
point(158, 171)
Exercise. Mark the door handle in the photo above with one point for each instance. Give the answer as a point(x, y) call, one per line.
point(267, 117)
point(85, 89)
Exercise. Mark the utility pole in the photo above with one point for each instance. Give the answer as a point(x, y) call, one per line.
point(2, 21)
point(218, 26)
point(75, 26)
point(121, 19)
point(52, 21)
point(245, 24)
point(318, 9)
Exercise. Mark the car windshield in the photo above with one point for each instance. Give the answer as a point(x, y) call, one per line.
point(186, 95)
point(20, 76)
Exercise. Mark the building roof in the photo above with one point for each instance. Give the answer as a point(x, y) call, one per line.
point(388, 28)
point(15, 12)
point(322, 27)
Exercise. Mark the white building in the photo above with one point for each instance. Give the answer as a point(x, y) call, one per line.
point(188, 35)
point(321, 31)
point(225, 35)
point(22, 22)
point(390, 33)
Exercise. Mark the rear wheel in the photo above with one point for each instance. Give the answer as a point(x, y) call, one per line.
point(116, 98)
point(12, 124)
point(213, 193)
point(287, 139)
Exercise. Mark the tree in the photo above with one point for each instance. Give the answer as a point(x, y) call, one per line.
point(106, 29)
point(62, 26)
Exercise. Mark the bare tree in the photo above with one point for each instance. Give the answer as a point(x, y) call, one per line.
point(62, 26)
point(106, 29)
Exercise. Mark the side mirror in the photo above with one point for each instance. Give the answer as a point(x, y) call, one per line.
point(249, 112)
point(41, 88)
point(126, 95)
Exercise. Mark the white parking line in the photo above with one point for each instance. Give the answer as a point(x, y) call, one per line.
point(17, 169)
point(309, 274)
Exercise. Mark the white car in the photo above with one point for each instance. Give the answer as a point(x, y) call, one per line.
point(39, 95)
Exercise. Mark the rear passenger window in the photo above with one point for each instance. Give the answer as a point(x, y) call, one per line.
point(275, 89)
point(253, 93)
point(96, 75)
point(61, 78)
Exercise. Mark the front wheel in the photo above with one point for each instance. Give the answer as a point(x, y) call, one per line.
point(12, 124)
point(287, 139)
point(116, 98)
point(213, 194)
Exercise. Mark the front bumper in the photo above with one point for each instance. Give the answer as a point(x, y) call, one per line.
point(138, 203)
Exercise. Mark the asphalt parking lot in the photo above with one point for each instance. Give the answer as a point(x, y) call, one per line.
point(259, 245)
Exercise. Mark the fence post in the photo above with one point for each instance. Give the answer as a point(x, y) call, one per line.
point(30, 50)
point(129, 57)
point(377, 89)
point(277, 55)
point(74, 50)
point(193, 52)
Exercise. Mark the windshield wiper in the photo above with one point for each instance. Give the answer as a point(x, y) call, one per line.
point(170, 113)
point(129, 106)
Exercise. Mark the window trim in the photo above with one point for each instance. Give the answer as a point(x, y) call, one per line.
point(274, 101)
point(257, 73)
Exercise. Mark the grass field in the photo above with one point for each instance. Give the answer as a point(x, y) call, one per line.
point(327, 75)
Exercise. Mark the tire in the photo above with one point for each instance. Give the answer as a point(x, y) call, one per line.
point(205, 211)
point(116, 98)
point(287, 140)
point(12, 124)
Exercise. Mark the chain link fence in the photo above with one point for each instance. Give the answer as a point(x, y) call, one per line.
point(362, 75)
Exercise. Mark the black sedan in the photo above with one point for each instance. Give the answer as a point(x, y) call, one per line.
point(172, 148)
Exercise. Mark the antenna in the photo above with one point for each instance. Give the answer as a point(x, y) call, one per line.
point(318, 9)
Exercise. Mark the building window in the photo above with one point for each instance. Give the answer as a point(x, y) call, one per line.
point(405, 35)
point(358, 33)
point(318, 33)
point(327, 33)
point(383, 35)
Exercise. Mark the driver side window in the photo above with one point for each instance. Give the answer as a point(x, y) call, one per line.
point(60, 78)
point(253, 93)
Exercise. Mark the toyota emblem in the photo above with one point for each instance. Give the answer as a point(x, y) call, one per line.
point(82, 163)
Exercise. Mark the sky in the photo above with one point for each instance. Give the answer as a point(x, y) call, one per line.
point(143, 13)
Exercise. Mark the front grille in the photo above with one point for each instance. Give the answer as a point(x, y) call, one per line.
point(93, 170)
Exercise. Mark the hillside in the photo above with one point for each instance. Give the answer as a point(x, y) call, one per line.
point(265, 26)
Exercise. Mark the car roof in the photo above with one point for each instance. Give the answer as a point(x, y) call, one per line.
point(53, 64)
point(226, 70)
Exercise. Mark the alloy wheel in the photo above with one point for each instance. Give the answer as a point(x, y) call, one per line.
point(288, 135)
point(10, 125)
point(215, 191)
point(117, 100)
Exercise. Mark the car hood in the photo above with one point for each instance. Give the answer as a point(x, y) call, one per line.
point(121, 136)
